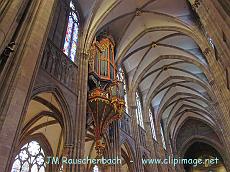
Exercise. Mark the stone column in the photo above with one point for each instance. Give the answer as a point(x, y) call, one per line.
point(160, 151)
point(138, 166)
point(67, 152)
point(9, 13)
point(80, 119)
point(221, 105)
point(29, 51)
point(214, 25)
point(149, 140)
point(117, 148)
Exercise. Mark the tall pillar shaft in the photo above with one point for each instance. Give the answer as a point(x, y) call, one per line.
point(29, 50)
point(215, 25)
point(136, 135)
point(80, 119)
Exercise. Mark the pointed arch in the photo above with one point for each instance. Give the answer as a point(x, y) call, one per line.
point(66, 113)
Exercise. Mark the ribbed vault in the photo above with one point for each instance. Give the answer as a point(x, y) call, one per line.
point(157, 47)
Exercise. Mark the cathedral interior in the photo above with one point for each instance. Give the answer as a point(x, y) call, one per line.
point(114, 86)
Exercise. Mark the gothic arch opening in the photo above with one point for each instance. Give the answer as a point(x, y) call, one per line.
point(211, 158)
point(31, 157)
point(44, 128)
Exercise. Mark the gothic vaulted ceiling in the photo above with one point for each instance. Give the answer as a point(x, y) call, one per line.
point(157, 47)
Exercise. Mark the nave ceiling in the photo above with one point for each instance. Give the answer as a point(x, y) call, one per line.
point(157, 44)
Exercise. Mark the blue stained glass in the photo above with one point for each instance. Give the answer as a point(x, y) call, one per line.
point(74, 15)
point(74, 42)
point(71, 39)
point(68, 36)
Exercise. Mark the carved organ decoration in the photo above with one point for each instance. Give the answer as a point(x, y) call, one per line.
point(106, 94)
point(102, 62)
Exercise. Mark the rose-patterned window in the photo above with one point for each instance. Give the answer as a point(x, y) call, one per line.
point(31, 158)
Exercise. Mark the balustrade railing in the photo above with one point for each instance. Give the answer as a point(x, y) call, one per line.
point(59, 66)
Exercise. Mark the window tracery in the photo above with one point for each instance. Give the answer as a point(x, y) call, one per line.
point(121, 77)
point(163, 137)
point(71, 38)
point(31, 158)
point(152, 125)
point(139, 111)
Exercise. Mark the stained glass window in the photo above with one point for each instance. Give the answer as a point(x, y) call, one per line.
point(31, 158)
point(139, 111)
point(71, 38)
point(121, 77)
point(163, 137)
point(152, 125)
